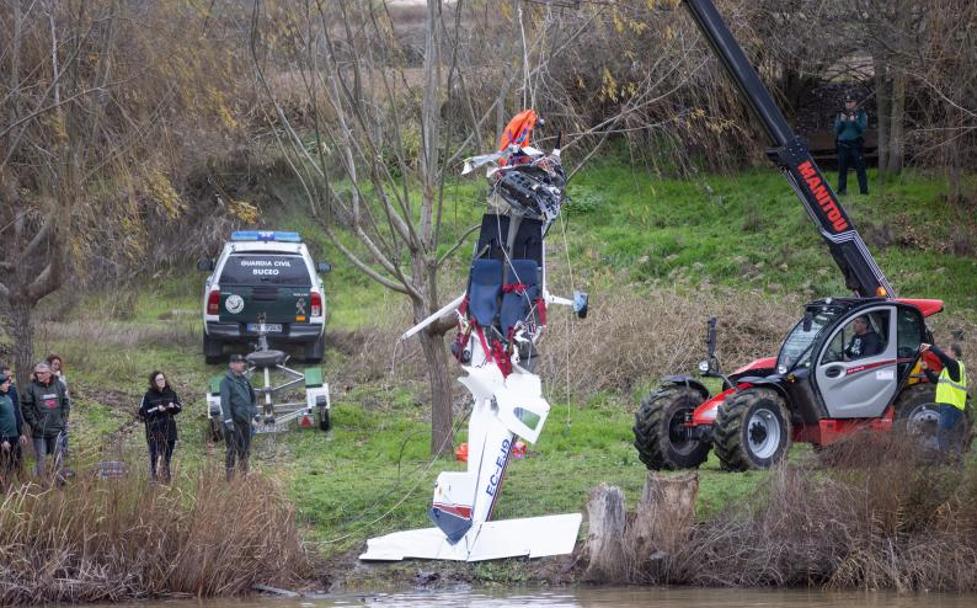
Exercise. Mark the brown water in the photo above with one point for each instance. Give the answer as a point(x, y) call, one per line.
point(586, 597)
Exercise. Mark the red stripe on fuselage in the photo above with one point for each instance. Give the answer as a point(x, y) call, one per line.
point(459, 510)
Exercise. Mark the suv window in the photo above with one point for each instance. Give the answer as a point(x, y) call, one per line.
point(274, 269)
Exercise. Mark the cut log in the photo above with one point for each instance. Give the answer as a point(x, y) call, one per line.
point(606, 559)
point(665, 515)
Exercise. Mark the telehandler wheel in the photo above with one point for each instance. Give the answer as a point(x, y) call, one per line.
point(918, 416)
point(752, 430)
point(660, 434)
point(324, 422)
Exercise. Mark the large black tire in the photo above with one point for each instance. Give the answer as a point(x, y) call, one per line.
point(659, 434)
point(213, 350)
point(324, 422)
point(315, 351)
point(917, 416)
point(752, 430)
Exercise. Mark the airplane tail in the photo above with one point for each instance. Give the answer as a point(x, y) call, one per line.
point(505, 407)
point(527, 537)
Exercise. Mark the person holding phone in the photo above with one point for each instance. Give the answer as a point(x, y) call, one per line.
point(157, 410)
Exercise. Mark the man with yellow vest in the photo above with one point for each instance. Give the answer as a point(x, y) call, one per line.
point(951, 391)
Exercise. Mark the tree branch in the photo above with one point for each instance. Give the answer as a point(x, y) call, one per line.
point(365, 268)
point(47, 282)
point(461, 241)
point(39, 239)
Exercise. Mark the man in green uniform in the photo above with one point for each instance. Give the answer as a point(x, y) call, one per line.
point(238, 408)
point(850, 125)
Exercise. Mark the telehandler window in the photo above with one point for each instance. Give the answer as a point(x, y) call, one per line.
point(864, 336)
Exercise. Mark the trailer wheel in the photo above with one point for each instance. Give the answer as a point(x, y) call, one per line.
point(660, 434)
point(752, 430)
point(324, 422)
point(215, 433)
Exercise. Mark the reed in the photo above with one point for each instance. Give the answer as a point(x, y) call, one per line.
point(106, 540)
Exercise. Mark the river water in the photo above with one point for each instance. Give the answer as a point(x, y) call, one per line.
point(596, 597)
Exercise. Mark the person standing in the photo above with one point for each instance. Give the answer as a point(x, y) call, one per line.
point(157, 410)
point(12, 437)
point(238, 408)
point(56, 363)
point(9, 373)
point(45, 406)
point(850, 125)
point(951, 393)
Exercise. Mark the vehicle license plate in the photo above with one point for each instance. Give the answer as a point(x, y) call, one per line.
point(268, 328)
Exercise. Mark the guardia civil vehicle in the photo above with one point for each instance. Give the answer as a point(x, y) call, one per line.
point(264, 283)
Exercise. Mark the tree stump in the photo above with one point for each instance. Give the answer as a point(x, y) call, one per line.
point(605, 540)
point(665, 515)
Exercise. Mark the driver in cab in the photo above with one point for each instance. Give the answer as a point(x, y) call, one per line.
point(865, 342)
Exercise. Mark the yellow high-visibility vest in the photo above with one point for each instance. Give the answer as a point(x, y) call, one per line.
point(950, 392)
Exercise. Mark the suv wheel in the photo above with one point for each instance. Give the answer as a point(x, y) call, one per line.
point(315, 351)
point(213, 350)
point(752, 430)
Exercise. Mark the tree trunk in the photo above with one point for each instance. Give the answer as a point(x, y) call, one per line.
point(897, 143)
point(883, 100)
point(440, 381)
point(665, 514)
point(954, 169)
point(606, 519)
point(22, 333)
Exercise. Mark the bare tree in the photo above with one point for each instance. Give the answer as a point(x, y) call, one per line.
point(372, 138)
point(93, 98)
point(945, 84)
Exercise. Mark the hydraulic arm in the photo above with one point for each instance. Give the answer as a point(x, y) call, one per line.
point(862, 274)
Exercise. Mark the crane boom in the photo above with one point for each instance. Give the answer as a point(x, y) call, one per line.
point(790, 153)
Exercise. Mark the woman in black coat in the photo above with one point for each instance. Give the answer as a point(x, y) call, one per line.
point(159, 405)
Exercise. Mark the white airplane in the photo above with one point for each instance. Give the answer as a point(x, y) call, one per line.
point(501, 317)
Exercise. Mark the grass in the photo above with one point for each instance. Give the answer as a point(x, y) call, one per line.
point(749, 230)
point(738, 245)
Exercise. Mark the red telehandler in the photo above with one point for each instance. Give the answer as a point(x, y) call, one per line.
point(849, 365)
